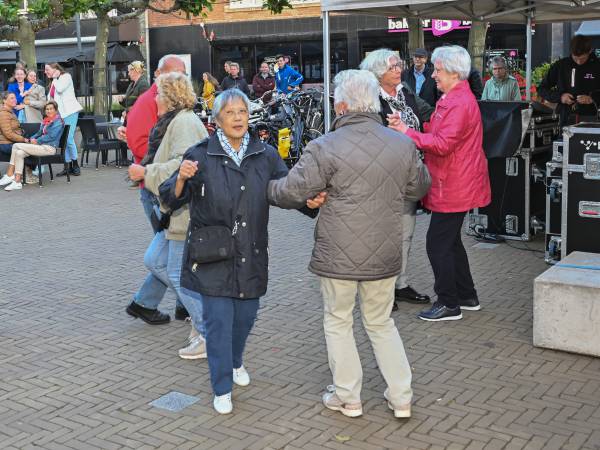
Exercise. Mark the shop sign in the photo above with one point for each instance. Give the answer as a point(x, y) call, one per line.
point(437, 27)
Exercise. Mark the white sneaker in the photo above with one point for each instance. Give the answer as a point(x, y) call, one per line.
point(193, 334)
point(14, 186)
point(241, 377)
point(6, 180)
point(195, 350)
point(402, 412)
point(222, 403)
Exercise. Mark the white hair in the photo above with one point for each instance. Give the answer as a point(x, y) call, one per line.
point(378, 62)
point(454, 59)
point(225, 98)
point(359, 89)
point(162, 61)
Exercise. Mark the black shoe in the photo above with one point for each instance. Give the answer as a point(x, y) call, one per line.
point(440, 312)
point(409, 295)
point(470, 304)
point(75, 170)
point(150, 316)
point(395, 307)
point(181, 313)
point(63, 173)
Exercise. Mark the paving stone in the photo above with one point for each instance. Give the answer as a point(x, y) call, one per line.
point(77, 372)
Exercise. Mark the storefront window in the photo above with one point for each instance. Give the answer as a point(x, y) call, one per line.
point(312, 59)
point(241, 54)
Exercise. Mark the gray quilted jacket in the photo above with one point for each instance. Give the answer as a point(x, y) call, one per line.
point(368, 171)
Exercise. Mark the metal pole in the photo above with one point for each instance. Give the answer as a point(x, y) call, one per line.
point(326, 71)
point(78, 31)
point(528, 60)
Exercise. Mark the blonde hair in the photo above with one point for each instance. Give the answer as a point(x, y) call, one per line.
point(176, 91)
point(138, 66)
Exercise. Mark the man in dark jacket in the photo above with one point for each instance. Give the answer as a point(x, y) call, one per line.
point(263, 82)
point(574, 83)
point(233, 80)
point(418, 77)
point(476, 83)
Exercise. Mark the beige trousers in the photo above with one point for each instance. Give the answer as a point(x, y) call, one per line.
point(408, 229)
point(20, 151)
point(376, 299)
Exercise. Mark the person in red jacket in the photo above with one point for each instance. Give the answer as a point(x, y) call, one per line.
point(141, 118)
point(452, 143)
point(263, 82)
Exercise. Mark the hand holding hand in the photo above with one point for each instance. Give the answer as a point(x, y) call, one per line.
point(136, 172)
point(33, 141)
point(584, 99)
point(317, 201)
point(187, 169)
point(396, 123)
point(567, 99)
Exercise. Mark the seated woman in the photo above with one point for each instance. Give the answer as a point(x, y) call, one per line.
point(10, 129)
point(224, 180)
point(44, 142)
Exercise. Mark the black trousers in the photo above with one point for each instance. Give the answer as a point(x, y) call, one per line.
point(448, 258)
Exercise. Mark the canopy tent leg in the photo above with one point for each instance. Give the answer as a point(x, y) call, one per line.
point(528, 60)
point(326, 71)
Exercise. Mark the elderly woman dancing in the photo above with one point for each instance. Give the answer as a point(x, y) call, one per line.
point(369, 172)
point(452, 143)
point(224, 179)
point(398, 97)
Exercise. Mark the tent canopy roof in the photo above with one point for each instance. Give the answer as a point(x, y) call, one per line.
point(500, 11)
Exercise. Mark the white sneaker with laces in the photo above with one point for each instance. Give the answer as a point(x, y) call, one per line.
point(14, 186)
point(6, 180)
point(195, 350)
point(241, 377)
point(222, 403)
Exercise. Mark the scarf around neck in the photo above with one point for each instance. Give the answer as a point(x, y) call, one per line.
point(399, 104)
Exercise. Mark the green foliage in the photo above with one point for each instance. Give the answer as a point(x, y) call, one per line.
point(9, 11)
point(276, 6)
point(538, 74)
point(40, 8)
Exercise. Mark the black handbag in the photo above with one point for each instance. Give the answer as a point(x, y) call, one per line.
point(210, 244)
point(162, 223)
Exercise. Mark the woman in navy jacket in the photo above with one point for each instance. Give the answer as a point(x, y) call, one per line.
point(44, 142)
point(224, 178)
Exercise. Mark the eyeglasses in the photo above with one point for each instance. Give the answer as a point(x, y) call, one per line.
point(395, 67)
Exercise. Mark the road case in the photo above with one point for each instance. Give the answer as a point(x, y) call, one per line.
point(518, 196)
point(553, 184)
point(580, 221)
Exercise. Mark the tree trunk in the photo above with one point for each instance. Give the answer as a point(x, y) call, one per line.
point(416, 38)
point(476, 49)
point(26, 39)
point(101, 101)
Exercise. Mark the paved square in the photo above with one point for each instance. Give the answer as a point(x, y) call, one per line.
point(77, 372)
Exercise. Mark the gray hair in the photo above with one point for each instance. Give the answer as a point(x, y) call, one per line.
point(497, 60)
point(162, 61)
point(359, 89)
point(227, 97)
point(234, 64)
point(378, 61)
point(454, 59)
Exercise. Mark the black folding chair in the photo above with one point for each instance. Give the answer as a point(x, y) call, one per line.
point(91, 142)
point(57, 158)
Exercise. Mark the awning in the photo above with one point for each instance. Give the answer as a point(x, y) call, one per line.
point(499, 11)
point(589, 28)
point(8, 57)
point(58, 53)
point(115, 53)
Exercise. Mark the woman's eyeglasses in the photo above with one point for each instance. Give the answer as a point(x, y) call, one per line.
point(395, 67)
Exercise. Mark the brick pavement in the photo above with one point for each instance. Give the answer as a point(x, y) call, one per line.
point(77, 372)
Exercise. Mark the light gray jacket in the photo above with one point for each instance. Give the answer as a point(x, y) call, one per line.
point(185, 130)
point(368, 171)
point(37, 101)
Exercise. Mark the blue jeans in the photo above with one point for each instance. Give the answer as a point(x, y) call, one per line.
point(149, 201)
point(71, 150)
point(228, 323)
point(163, 259)
point(6, 149)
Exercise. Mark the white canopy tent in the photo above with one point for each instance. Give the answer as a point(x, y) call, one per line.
point(499, 11)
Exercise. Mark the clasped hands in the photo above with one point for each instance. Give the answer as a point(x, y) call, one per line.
point(395, 122)
point(569, 99)
point(189, 168)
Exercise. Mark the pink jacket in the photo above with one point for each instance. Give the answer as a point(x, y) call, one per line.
point(454, 155)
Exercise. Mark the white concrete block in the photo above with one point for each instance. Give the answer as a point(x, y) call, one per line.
point(566, 305)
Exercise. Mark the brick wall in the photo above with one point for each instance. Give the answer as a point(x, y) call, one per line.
point(222, 12)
